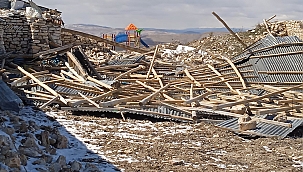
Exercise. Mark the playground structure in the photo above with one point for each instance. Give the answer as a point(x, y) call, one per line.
point(110, 37)
point(131, 37)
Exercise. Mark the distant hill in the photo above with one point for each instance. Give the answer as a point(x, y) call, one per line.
point(153, 36)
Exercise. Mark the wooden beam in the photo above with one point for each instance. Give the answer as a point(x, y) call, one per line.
point(219, 74)
point(236, 70)
point(76, 62)
point(276, 110)
point(54, 50)
point(89, 100)
point(148, 98)
point(254, 99)
point(153, 89)
point(49, 102)
point(90, 65)
point(198, 84)
point(99, 82)
point(140, 67)
point(46, 87)
point(99, 39)
point(152, 62)
point(231, 31)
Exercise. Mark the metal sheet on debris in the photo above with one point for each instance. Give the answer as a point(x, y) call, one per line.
point(263, 129)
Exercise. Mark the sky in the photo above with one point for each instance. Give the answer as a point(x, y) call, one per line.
point(174, 14)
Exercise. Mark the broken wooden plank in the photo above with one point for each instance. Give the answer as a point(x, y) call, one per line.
point(49, 102)
point(253, 99)
point(89, 100)
point(228, 28)
point(148, 98)
point(46, 87)
point(152, 62)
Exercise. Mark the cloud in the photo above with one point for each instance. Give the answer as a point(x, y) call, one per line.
point(173, 14)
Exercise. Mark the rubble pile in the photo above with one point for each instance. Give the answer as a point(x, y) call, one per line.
point(184, 84)
point(219, 76)
point(27, 145)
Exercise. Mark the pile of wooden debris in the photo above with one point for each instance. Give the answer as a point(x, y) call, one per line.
point(256, 83)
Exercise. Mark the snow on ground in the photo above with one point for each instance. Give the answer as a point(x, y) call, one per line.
point(77, 149)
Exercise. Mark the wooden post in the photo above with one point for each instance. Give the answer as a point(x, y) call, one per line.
point(228, 28)
point(152, 62)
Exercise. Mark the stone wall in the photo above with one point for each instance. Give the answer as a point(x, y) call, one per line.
point(88, 44)
point(28, 35)
point(295, 28)
point(286, 28)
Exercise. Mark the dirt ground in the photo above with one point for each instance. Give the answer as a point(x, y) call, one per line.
point(143, 145)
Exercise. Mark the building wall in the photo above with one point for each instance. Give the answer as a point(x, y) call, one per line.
point(24, 35)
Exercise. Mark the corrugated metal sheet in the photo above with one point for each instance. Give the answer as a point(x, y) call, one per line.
point(287, 62)
point(126, 61)
point(158, 112)
point(263, 129)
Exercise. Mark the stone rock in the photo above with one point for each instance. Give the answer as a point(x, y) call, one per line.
point(250, 125)
point(61, 160)
point(52, 141)
point(41, 169)
point(91, 168)
point(4, 150)
point(48, 158)
point(40, 161)
point(45, 139)
point(52, 151)
point(3, 168)
point(9, 130)
point(6, 144)
point(30, 152)
point(280, 118)
point(176, 162)
point(23, 127)
point(54, 136)
point(66, 169)
point(30, 143)
point(23, 159)
point(75, 166)
point(55, 167)
point(14, 162)
point(33, 125)
point(62, 142)
point(14, 119)
point(2, 158)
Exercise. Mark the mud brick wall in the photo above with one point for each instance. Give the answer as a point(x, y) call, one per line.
point(28, 35)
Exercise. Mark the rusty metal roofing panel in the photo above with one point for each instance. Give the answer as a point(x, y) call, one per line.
point(263, 129)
